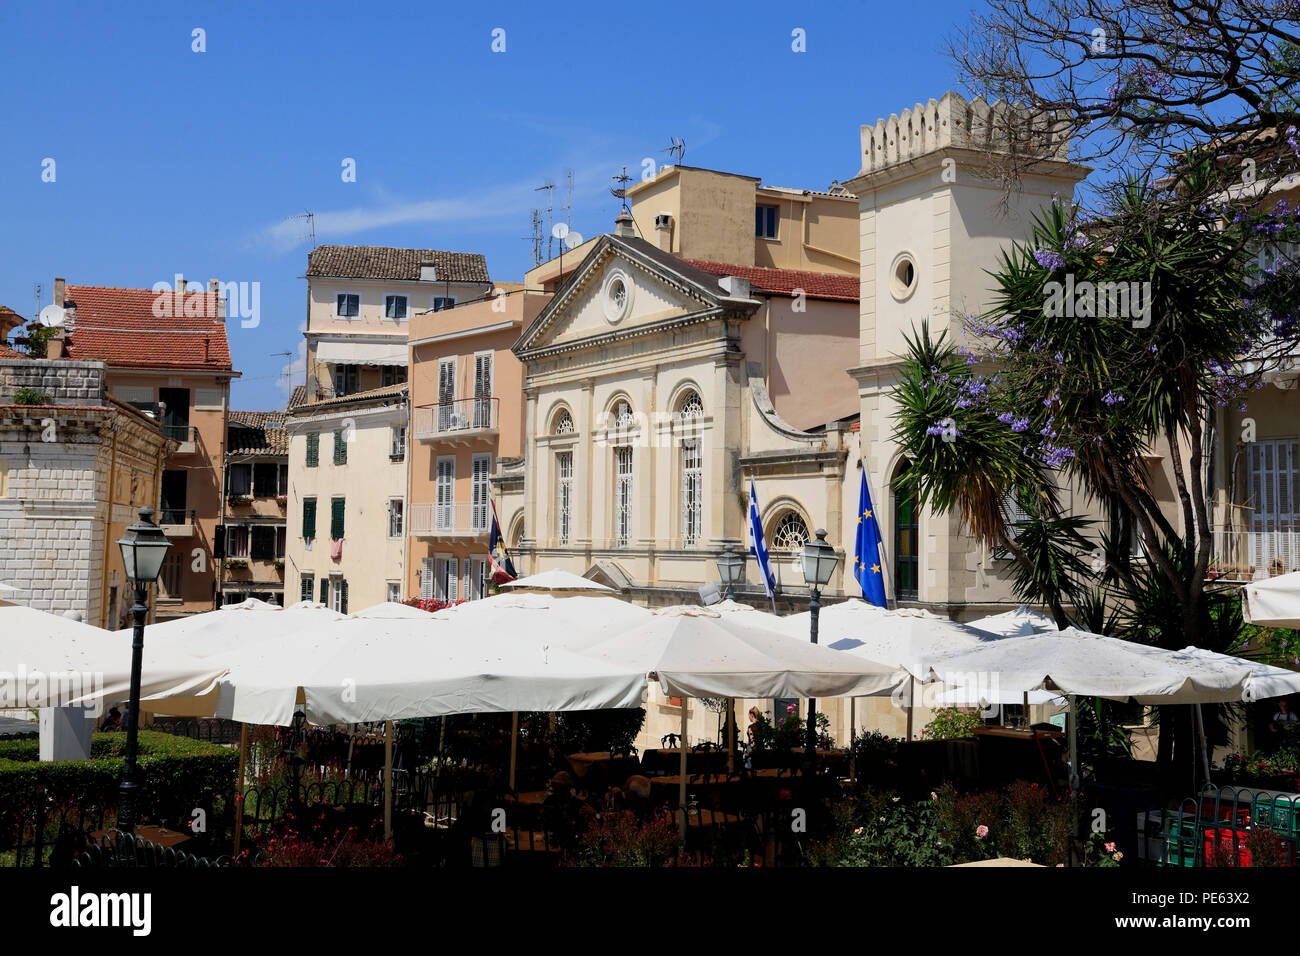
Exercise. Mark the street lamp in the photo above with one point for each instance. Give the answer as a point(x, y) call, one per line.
point(731, 570)
point(819, 560)
point(143, 548)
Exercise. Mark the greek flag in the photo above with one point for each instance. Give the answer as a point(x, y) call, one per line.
point(757, 547)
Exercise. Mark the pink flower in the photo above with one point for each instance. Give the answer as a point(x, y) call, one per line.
point(981, 831)
point(1110, 848)
point(790, 709)
point(858, 831)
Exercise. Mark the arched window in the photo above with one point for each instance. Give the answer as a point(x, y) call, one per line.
point(689, 410)
point(690, 407)
point(623, 417)
point(563, 423)
point(789, 535)
point(907, 562)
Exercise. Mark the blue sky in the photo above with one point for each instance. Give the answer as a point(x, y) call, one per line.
point(168, 160)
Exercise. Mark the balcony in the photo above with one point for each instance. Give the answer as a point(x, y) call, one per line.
point(462, 420)
point(177, 522)
point(187, 435)
point(455, 521)
point(1247, 555)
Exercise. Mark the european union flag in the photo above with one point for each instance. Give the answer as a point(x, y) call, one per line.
point(867, 567)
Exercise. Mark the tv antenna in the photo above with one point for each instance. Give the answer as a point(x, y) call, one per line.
point(676, 150)
point(536, 237)
point(568, 202)
point(39, 290)
point(619, 192)
point(311, 226)
point(549, 186)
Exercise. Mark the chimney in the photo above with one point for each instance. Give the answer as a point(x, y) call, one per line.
point(60, 291)
point(623, 227)
point(214, 290)
point(180, 284)
point(55, 346)
point(664, 231)
point(213, 286)
point(735, 287)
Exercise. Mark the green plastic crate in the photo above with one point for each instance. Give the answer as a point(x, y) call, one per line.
point(1282, 814)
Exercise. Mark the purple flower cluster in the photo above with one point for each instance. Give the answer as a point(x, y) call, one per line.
point(1049, 259)
point(1111, 398)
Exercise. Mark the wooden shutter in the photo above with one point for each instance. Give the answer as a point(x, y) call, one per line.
point(309, 517)
point(313, 449)
point(343, 600)
point(336, 517)
point(305, 588)
point(325, 591)
point(426, 578)
point(219, 542)
point(453, 579)
point(340, 448)
point(479, 491)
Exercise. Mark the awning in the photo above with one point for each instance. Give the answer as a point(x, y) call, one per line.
point(353, 352)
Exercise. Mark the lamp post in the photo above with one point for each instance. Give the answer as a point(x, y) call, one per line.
point(731, 571)
point(819, 560)
point(143, 548)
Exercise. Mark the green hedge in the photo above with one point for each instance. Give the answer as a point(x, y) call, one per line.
point(176, 774)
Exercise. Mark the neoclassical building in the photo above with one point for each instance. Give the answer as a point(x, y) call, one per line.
point(649, 405)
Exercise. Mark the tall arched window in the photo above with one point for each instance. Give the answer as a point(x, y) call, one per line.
point(907, 562)
point(689, 410)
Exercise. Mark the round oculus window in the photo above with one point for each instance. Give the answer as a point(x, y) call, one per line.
point(616, 296)
point(902, 277)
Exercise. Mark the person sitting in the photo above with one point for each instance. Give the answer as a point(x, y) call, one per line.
point(112, 722)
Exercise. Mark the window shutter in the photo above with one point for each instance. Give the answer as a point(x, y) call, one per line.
point(340, 448)
point(305, 588)
point(219, 542)
point(309, 517)
point(313, 449)
point(324, 590)
point(453, 579)
point(426, 578)
point(343, 601)
point(336, 517)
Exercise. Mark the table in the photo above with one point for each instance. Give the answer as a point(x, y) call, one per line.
point(157, 835)
point(614, 768)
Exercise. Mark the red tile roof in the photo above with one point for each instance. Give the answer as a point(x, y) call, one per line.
point(7, 352)
point(815, 285)
point(140, 328)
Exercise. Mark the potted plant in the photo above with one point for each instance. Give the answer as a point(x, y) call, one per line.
point(236, 564)
point(240, 499)
point(281, 500)
point(278, 563)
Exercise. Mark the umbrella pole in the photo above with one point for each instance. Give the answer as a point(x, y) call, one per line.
point(1074, 777)
point(681, 785)
point(1205, 745)
point(239, 786)
point(514, 745)
point(911, 690)
point(853, 736)
point(388, 779)
point(731, 735)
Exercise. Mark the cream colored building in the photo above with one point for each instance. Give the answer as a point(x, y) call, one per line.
point(347, 499)
point(360, 302)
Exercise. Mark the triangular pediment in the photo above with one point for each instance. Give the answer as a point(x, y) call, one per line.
point(621, 287)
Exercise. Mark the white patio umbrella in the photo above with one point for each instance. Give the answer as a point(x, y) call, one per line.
point(1262, 681)
point(1274, 602)
point(235, 625)
point(556, 580)
point(48, 660)
point(699, 652)
point(1016, 623)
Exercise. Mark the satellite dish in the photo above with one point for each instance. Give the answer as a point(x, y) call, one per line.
point(54, 316)
point(573, 240)
point(560, 230)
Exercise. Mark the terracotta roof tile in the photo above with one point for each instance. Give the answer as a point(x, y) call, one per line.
point(816, 285)
point(387, 262)
point(257, 433)
point(121, 327)
point(397, 390)
point(7, 353)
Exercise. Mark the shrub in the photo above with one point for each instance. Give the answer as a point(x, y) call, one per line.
point(949, 723)
point(879, 829)
point(30, 396)
point(176, 774)
point(1022, 821)
point(618, 838)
